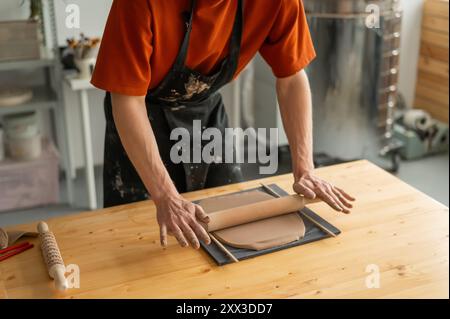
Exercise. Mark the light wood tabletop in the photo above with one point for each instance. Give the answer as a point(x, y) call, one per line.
point(393, 229)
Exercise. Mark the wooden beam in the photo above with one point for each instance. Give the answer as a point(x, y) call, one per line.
point(435, 23)
point(433, 66)
point(434, 51)
point(437, 38)
point(438, 8)
point(436, 110)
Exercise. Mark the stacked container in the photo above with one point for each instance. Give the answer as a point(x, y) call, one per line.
point(25, 184)
point(23, 138)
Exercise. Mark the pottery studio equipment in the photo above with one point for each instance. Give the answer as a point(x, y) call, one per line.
point(52, 256)
point(420, 134)
point(259, 221)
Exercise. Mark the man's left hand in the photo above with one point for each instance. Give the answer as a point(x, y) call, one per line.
point(311, 187)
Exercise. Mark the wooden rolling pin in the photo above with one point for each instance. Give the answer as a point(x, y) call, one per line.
point(52, 256)
point(249, 213)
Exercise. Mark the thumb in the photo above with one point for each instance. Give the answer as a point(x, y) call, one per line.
point(304, 190)
point(201, 215)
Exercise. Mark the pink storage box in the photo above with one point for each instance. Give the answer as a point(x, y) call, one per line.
point(30, 183)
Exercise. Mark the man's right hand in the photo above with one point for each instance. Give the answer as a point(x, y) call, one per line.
point(176, 216)
point(181, 218)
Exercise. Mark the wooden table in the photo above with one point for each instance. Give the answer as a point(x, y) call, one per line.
point(393, 228)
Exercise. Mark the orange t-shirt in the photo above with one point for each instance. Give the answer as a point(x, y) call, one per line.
point(142, 39)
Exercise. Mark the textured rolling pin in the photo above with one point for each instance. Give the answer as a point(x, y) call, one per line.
point(257, 211)
point(52, 256)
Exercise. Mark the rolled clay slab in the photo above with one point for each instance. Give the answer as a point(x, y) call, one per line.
point(232, 215)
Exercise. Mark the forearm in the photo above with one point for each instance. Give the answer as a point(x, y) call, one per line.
point(294, 97)
point(138, 139)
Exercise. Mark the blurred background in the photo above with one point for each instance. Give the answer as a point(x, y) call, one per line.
point(380, 92)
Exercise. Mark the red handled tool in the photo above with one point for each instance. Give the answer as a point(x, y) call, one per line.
point(14, 250)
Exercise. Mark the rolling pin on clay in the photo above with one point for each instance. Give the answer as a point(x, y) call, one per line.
point(257, 211)
point(52, 256)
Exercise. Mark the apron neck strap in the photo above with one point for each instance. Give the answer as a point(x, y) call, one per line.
point(236, 36)
point(182, 54)
point(235, 41)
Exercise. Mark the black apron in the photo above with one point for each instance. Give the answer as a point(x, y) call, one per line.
point(183, 96)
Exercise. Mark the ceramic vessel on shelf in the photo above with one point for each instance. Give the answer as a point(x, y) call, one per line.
point(24, 149)
point(85, 67)
point(23, 139)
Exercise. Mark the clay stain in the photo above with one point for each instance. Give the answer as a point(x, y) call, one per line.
point(401, 270)
point(310, 281)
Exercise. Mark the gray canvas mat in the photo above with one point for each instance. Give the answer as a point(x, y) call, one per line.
point(313, 233)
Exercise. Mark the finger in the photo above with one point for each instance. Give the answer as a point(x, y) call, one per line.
point(201, 215)
point(341, 198)
point(329, 200)
point(304, 190)
point(190, 235)
point(163, 235)
point(178, 234)
point(200, 232)
point(347, 196)
point(337, 200)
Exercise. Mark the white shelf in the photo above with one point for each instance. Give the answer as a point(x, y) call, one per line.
point(77, 84)
point(43, 98)
point(25, 64)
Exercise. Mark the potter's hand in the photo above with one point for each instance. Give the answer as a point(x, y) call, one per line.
point(311, 187)
point(180, 218)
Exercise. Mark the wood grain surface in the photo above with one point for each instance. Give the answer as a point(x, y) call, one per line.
point(433, 73)
point(393, 227)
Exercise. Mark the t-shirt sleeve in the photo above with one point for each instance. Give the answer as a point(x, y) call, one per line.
point(288, 47)
point(123, 63)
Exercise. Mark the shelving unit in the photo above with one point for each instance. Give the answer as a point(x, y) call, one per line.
point(26, 64)
point(47, 96)
point(44, 98)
